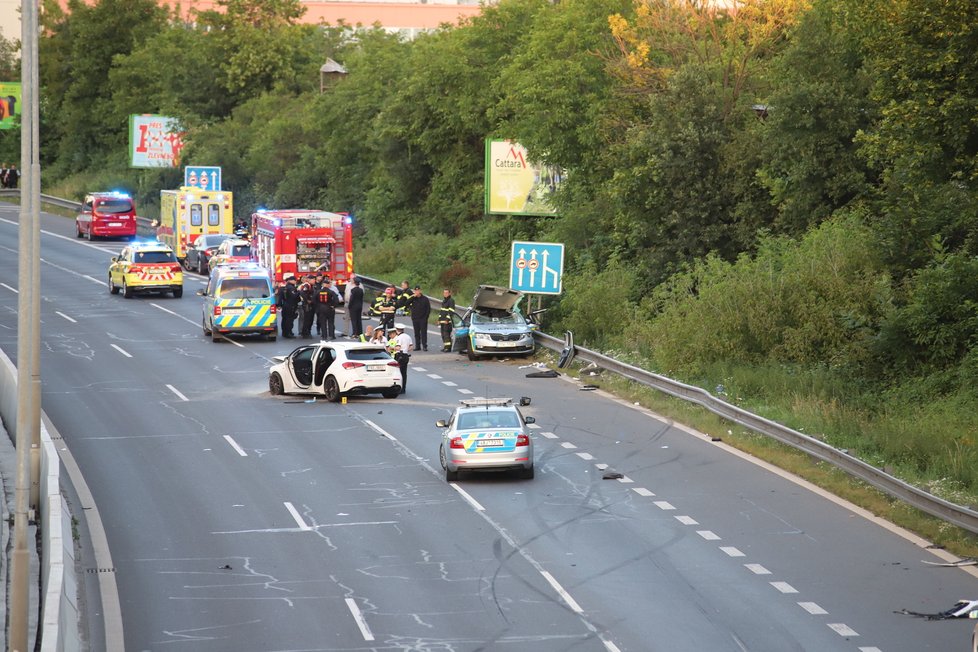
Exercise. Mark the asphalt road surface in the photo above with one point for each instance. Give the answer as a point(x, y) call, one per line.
point(240, 521)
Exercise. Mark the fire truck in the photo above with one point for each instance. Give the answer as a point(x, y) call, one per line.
point(189, 212)
point(299, 242)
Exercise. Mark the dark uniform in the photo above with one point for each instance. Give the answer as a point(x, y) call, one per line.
point(387, 307)
point(326, 312)
point(287, 301)
point(445, 320)
point(420, 309)
point(404, 295)
point(307, 308)
point(354, 309)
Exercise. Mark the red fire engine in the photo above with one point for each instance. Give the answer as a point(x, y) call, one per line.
point(299, 242)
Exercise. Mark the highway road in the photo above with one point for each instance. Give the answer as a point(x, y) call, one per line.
point(240, 521)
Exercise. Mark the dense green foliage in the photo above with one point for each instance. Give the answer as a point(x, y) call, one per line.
point(787, 191)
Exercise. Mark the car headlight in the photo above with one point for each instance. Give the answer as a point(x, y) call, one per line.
point(482, 337)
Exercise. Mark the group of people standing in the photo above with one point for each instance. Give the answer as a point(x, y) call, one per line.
point(9, 176)
point(312, 302)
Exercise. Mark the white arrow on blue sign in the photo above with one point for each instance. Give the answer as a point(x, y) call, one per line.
point(205, 177)
point(537, 267)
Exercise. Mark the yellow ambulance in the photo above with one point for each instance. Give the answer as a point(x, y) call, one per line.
point(187, 213)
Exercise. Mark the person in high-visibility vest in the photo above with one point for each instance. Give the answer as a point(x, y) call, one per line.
point(445, 319)
point(387, 308)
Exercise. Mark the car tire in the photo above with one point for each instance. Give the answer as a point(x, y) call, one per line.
point(473, 356)
point(200, 267)
point(275, 385)
point(391, 393)
point(451, 476)
point(78, 232)
point(177, 292)
point(271, 337)
point(112, 288)
point(331, 390)
point(527, 474)
point(126, 290)
point(207, 331)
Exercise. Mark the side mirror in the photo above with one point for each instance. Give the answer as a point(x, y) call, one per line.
point(524, 401)
point(529, 420)
point(441, 423)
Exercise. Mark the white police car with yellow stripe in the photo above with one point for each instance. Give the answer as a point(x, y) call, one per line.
point(486, 434)
point(239, 299)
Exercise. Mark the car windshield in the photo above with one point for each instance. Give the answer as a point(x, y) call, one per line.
point(241, 250)
point(488, 419)
point(209, 241)
point(244, 288)
point(113, 206)
point(154, 257)
point(498, 317)
point(368, 354)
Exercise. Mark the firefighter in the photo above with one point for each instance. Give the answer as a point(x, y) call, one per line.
point(378, 300)
point(445, 319)
point(326, 312)
point(419, 307)
point(307, 307)
point(288, 302)
point(404, 295)
point(387, 308)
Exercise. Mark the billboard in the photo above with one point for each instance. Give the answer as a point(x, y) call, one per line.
point(155, 141)
point(515, 185)
point(9, 104)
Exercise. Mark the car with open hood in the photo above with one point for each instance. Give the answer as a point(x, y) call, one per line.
point(494, 325)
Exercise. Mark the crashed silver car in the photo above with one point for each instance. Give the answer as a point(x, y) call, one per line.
point(494, 325)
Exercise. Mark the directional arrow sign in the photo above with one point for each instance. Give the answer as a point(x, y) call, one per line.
point(205, 177)
point(536, 267)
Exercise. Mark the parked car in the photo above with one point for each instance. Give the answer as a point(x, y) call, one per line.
point(200, 251)
point(106, 215)
point(336, 369)
point(486, 434)
point(494, 325)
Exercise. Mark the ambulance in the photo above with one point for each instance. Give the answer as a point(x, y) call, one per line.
point(239, 299)
point(188, 212)
point(300, 242)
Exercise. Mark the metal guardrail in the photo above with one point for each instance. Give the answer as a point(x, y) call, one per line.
point(958, 515)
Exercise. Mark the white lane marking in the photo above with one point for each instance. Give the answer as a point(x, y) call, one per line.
point(812, 608)
point(610, 646)
point(129, 355)
point(61, 314)
point(298, 517)
point(843, 630)
point(235, 446)
point(462, 390)
point(177, 392)
point(434, 376)
point(687, 520)
point(576, 608)
point(664, 505)
point(64, 237)
point(870, 649)
point(379, 429)
point(361, 622)
point(567, 444)
point(535, 426)
point(784, 587)
point(168, 311)
point(625, 480)
point(14, 290)
point(92, 278)
point(601, 466)
point(449, 383)
point(732, 552)
point(757, 569)
point(421, 369)
point(709, 536)
point(549, 435)
point(585, 456)
point(642, 491)
point(472, 501)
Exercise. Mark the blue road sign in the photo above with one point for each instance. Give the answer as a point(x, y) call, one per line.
point(537, 267)
point(205, 177)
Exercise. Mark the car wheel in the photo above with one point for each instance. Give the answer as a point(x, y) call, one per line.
point(275, 385)
point(126, 290)
point(450, 476)
point(78, 232)
point(473, 356)
point(207, 331)
point(112, 288)
point(527, 474)
point(185, 263)
point(331, 390)
point(271, 337)
point(177, 292)
point(200, 266)
point(391, 393)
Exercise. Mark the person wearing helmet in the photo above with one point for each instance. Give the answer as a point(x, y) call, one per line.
point(386, 308)
point(402, 345)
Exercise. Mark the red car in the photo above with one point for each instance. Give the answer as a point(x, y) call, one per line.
point(106, 215)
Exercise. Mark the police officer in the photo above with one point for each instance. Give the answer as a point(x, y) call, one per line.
point(419, 306)
point(288, 303)
point(354, 309)
point(387, 307)
point(402, 345)
point(326, 311)
point(307, 307)
point(317, 284)
point(445, 319)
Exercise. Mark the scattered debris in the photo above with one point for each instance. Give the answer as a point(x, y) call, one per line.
point(613, 475)
point(589, 388)
point(967, 561)
point(715, 438)
point(961, 609)
point(534, 365)
point(226, 567)
point(550, 373)
point(592, 370)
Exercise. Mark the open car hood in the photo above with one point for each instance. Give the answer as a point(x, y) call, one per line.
point(492, 297)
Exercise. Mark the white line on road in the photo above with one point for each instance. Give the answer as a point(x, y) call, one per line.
point(625, 480)
point(14, 290)
point(434, 376)
point(177, 392)
point(361, 622)
point(129, 355)
point(731, 551)
point(687, 520)
point(708, 535)
point(92, 278)
point(642, 491)
point(65, 316)
point(664, 505)
point(235, 446)
point(562, 593)
point(534, 426)
point(757, 569)
point(568, 445)
point(449, 383)
point(421, 369)
point(472, 501)
point(379, 429)
point(549, 435)
point(812, 608)
point(870, 649)
point(601, 466)
point(585, 456)
point(461, 390)
point(784, 587)
point(843, 630)
point(297, 517)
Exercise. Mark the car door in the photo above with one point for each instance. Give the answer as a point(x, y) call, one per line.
point(301, 367)
point(190, 259)
point(460, 331)
point(322, 361)
point(84, 219)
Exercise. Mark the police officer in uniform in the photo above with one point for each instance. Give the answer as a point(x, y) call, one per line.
point(419, 306)
point(326, 311)
point(288, 302)
point(445, 319)
point(307, 307)
point(354, 309)
point(402, 345)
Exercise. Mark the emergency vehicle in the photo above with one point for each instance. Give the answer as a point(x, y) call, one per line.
point(232, 250)
point(239, 299)
point(145, 267)
point(187, 213)
point(299, 242)
point(106, 215)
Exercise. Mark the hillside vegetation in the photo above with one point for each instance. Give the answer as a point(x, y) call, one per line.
point(779, 200)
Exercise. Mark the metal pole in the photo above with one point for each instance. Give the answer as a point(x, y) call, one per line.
point(20, 562)
point(34, 177)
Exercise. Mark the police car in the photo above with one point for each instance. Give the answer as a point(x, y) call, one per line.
point(486, 434)
point(145, 267)
point(239, 299)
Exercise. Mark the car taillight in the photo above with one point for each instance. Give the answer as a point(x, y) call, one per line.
point(393, 363)
point(274, 309)
point(456, 443)
point(217, 310)
point(353, 365)
point(522, 440)
point(175, 267)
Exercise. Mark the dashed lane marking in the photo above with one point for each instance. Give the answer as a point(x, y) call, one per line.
point(449, 383)
point(469, 499)
point(708, 535)
point(664, 505)
point(549, 435)
point(784, 587)
point(625, 480)
point(129, 355)
point(14, 290)
point(361, 621)
point(732, 552)
point(462, 390)
point(177, 392)
point(235, 446)
point(585, 456)
point(434, 376)
point(567, 445)
point(757, 569)
point(61, 314)
point(687, 520)
point(843, 630)
point(298, 517)
point(642, 491)
point(812, 608)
